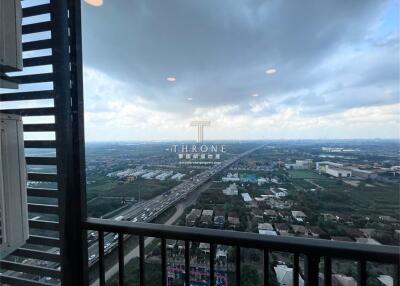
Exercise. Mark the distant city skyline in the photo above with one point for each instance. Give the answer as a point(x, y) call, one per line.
point(257, 70)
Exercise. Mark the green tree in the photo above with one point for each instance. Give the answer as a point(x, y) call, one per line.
point(249, 276)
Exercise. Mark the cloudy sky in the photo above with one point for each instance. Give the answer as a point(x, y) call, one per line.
point(152, 66)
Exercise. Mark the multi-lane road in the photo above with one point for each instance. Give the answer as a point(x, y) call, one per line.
point(149, 210)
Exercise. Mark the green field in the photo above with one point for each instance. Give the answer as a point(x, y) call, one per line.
point(101, 196)
point(305, 174)
point(304, 184)
point(146, 188)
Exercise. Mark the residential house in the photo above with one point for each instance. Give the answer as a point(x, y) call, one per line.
point(193, 217)
point(258, 215)
point(206, 217)
point(221, 255)
point(367, 240)
point(299, 216)
point(219, 219)
point(261, 181)
point(299, 230)
point(388, 219)
point(284, 276)
point(397, 233)
point(330, 217)
point(368, 232)
point(204, 247)
point(342, 238)
point(232, 190)
point(270, 215)
point(317, 232)
point(385, 280)
point(279, 192)
point(343, 280)
point(171, 243)
point(231, 178)
point(282, 228)
point(181, 245)
point(233, 220)
point(285, 215)
point(266, 228)
point(246, 197)
point(353, 232)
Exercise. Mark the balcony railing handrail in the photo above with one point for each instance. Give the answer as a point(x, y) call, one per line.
point(309, 246)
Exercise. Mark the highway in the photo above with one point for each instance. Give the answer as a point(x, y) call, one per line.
point(180, 208)
point(147, 211)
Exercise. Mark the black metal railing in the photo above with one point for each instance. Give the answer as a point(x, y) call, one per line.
point(312, 249)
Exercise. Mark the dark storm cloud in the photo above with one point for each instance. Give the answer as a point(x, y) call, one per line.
point(219, 50)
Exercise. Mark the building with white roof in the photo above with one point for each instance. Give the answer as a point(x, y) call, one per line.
point(284, 276)
point(232, 190)
point(337, 172)
point(320, 166)
point(363, 174)
point(343, 280)
point(367, 240)
point(386, 280)
point(177, 176)
point(279, 192)
point(266, 228)
point(246, 197)
point(261, 181)
point(164, 175)
point(299, 216)
point(299, 165)
point(150, 175)
point(231, 178)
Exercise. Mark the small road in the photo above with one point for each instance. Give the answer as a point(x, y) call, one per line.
point(315, 184)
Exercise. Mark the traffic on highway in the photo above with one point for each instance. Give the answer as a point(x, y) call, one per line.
point(147, 211)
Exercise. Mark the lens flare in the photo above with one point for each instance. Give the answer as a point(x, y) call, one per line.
point(96, 3)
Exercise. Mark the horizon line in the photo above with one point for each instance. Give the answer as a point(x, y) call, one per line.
point(246, 140)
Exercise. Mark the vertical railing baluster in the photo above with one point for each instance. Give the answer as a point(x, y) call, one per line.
point(121, 265)
point(362, 272)
point(141, 261)
point(212, 262)
point(163, 262)
point(296, 269)
point(311, 270)
point(328, 271)
point(266, 267)
point(237, 265)
point(187, 263)
point(101, 259)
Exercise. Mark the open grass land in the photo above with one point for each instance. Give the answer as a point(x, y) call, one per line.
point(305, 174)
point(377, 200)
point(329, 184)
point(100, 206)
point(364, 201)
point(107, 197)
point(304, 184)
point(308, 179)
point(147, 188)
